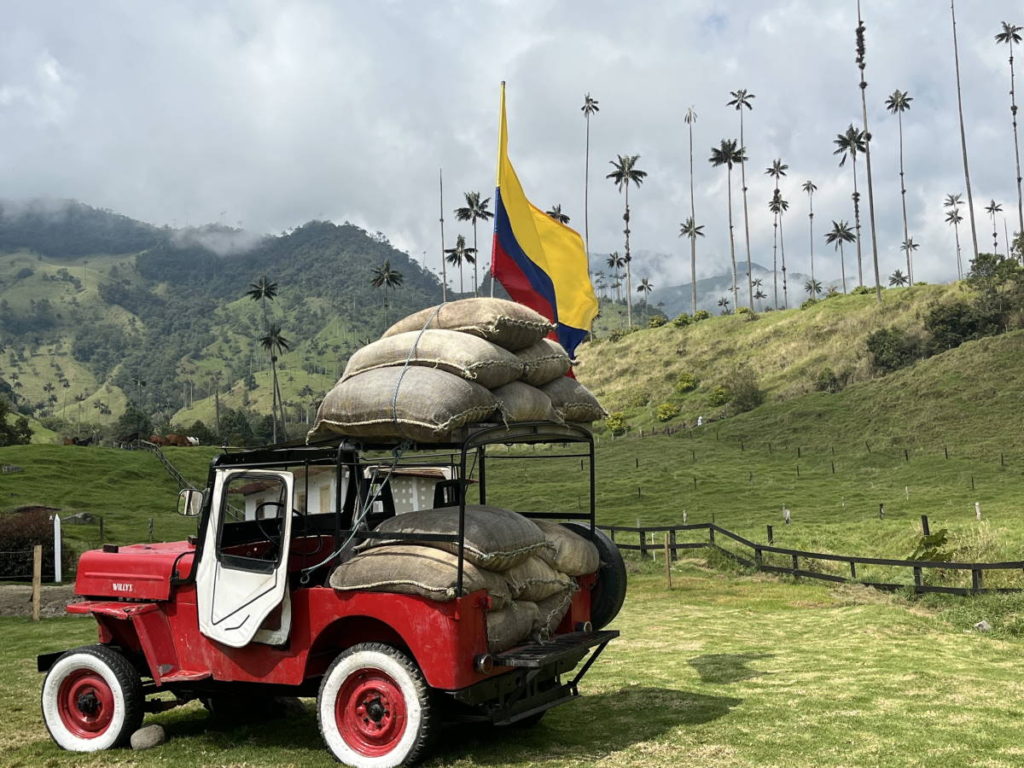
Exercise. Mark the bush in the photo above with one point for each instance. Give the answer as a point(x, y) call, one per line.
point(19, 533)
point(892, 349)
point(682, 320)
point(638, 399)
point(686, 382)
point(616, 422)
point(950, 325)
point(862, 290)
point(809, 303)
point(701, 314)
point(745, 389)
point(657, 321)
point(827, 381)
point(667, 411)
point(744, 311)
point(719, 396)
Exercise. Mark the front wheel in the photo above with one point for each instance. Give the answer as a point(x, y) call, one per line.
point(374, 708)
point(92, 699)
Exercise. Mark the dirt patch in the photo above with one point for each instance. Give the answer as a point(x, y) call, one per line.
point(16, 599)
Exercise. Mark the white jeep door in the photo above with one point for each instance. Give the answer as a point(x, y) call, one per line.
point(242, 574)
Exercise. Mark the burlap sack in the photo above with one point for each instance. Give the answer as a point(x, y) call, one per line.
point(543, 362)
point(569, 552)
point(464, 355)
point(495, 539)
point(520, 402)
point(506, 323)
point(573, 401)
point(512, 626)
point(551, 611)
point(534, 580)
point(417, 570)
point(422, 404)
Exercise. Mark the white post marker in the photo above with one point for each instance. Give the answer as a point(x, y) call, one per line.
point(786, 516)
point(977, 510)
point(56, 550)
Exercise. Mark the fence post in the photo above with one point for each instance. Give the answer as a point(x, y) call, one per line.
point(668, 564)
point(924, 525)
point(976, 582)
point(853, 570)
point(643, 543)
point(771, 535)
point(917, 576)
point(672, 539)
point(796, 567)
point(711, 534)
point(37, 579)
point(57, 554)
point(758, 558)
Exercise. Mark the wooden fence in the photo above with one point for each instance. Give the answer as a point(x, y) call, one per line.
point(800, 563)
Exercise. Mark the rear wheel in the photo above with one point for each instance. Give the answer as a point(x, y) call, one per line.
point(92, 699)
point(374, 707)
point(610, 591)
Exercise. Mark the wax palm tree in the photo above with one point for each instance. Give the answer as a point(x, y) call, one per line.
point(740, 101)
point(759, 296)
point(776, 170)
point(589, 108)
point(690, 118)
point(473, 211)
point(848, 145)
point(645, 288)
point(385, 277)
point(263, 290)
point(992, 209)
point(898, 103)
point(840, 234)
point(729, 153)
point(274, 343)
point(963, 135)
point(625, 173)
point(809, 187)
point(778, 206)
point(723, 302)
point(1010, 35)
point(898, 279)
point(457, 255)
point(555, 212)
point(692, 230)
point(813, 288)
point(952, 204)
point(861, 50)
point(616, 262)
point(908, 246)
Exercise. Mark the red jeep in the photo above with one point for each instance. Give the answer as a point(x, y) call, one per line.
point(242, 609)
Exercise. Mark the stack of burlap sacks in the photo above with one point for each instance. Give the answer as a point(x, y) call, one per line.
point(464, 362)
point(528, 567)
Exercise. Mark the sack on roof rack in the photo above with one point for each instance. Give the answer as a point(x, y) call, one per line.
point(543, 362)
point(506, 323)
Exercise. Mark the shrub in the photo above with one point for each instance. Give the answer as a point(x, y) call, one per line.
point(862, 290)
point(719, 396)
point(638, 399)
point(809, 303)
point(892, 349)
point(745, 389)
point(657, 321)
point(21, 531)
point(682, 320)
point(827, 381)
point(667, 411)
point(616, 422)
point(950, 325)
point(744, 311)
point(686, 382)
point(701, 314)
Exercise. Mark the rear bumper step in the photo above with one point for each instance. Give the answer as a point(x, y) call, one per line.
point(560, 647)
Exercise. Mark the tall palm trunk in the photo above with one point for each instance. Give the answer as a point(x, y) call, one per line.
point(273, 398)
point(586, 198)
point(746, 222)
point(782, 255)
point(775, 261)
point(842, 264)
point(476, 258)
point(903, 196)
point(856, 218)
point(810, 226)
point(444, 268)
point(963, 135)
point(629, 273)
point(867, 152)
point(1016, 147)
point(732, 242)
point(959, 261)
point(693, 238)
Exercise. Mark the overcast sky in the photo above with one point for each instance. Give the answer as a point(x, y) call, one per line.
point(276, 112)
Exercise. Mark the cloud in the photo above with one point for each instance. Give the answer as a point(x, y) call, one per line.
point(270, 114)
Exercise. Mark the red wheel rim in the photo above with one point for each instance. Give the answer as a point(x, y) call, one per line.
point(370, 712)
point(85, 703)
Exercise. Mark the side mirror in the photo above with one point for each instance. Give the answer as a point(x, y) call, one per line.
point(190, 502)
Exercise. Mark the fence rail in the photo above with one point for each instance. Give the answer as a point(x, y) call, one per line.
point(757, 559)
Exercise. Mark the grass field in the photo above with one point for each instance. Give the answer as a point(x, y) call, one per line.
point(724, 670)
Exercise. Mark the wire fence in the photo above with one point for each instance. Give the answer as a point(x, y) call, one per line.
point(920, 576)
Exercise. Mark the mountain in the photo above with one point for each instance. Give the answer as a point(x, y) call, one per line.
point(98, 311)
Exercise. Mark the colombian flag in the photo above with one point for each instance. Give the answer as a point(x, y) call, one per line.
point(541, 262)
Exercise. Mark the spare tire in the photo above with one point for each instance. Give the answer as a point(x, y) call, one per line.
point(610, 590)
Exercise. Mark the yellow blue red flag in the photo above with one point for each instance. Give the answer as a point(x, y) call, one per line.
point(541, 262)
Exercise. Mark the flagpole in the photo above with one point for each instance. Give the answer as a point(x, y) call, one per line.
point(444, 270)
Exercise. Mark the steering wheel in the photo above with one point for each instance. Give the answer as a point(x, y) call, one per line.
point(273, 538)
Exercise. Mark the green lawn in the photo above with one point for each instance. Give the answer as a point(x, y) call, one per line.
point(724, 670)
